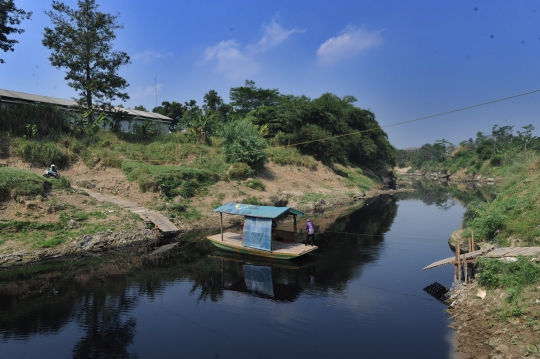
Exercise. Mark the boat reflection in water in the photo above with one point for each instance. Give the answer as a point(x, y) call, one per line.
point(272, 279)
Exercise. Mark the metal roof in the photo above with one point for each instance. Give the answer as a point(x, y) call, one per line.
point(251, 210)
point(21, 96)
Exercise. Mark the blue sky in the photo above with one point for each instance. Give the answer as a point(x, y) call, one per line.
point(401, 59)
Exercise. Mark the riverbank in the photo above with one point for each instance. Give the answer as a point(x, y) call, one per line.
point(67, 223)
point(498, 316)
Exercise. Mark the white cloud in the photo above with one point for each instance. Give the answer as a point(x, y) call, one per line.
point(237, 62)
point(149, 55)
point(274, 35)
point(230, 60)
point(349, 43)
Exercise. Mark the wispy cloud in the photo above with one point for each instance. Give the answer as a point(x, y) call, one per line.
point(349, 43)
point(274, 35)
point(237, 62)
point(149, 55)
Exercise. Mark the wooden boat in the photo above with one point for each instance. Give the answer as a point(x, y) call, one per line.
point(258, 237)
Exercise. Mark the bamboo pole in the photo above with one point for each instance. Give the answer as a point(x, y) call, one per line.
point(458, 267)
point(294, 239)
point(472, 235)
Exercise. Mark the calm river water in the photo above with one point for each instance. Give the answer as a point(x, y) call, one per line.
point(356, 296)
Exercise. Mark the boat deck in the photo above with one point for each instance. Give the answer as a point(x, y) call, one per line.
point(233, 241)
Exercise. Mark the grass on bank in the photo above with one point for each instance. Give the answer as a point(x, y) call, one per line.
point(35, 235)
point(514, 213)
point(518, 279)
point(18, 182)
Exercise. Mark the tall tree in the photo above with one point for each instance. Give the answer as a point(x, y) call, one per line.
point(82, 42)
point(247, 98)
point(10, 16)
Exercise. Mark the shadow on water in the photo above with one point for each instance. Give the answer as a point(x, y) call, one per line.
point(100, 296)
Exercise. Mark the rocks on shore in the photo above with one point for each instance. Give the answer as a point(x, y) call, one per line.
point(87, 244)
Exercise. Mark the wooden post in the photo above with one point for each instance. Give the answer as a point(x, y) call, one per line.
point(458, 266)
point(294, 239)
point(472, 235)
point(221, 219)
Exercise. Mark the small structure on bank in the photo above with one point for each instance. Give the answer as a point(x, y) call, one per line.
point(258, 237)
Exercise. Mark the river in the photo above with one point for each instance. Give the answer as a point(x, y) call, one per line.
point(359, 295)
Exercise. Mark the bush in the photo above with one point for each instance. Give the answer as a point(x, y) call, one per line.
point(44, 154)
point(496, 160)
point(255, 184)
point(240, 171)
point(242, 143)
point(168, 180)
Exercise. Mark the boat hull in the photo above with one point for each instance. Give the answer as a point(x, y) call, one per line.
point(232, 242)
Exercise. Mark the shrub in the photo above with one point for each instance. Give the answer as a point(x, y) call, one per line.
point(496, 160)
point(169, 180)
point(44, 154)
point(255, 184)
point(242, 143)
point(240, 171)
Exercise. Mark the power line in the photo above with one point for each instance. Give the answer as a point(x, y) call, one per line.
point(392, 125)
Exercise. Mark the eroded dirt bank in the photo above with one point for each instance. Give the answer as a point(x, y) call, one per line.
point(95, 228)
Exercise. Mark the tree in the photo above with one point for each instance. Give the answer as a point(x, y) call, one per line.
point(10, 16)
point(213, 102)
point(140, 108)
point(173, 110)
point(82, 42)
point(247, 98)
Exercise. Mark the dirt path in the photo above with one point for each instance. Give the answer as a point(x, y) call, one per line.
point(159, 220)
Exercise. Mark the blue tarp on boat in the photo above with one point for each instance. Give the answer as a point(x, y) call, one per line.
point(256, 211)
point(258, 233)
point(259, 279)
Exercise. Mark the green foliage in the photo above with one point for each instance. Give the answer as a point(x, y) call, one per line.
point(15, 181)
point(33, 120)
point(496, 160)
point(169, 180)
point(248, 97)
point(82, 42)
point(242, 143)
point(239, 171)
point(10, 15)
point(291, 156)
point(312, 197)
point(255, 184)
point(498, 148)
point(514, 212)
point(253, 200)
point(497, 274)
point(43, 152)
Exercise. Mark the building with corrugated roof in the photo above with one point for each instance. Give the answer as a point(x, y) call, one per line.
point(133, 117)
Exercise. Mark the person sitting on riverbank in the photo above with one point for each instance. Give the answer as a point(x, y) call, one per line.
point(310, 236)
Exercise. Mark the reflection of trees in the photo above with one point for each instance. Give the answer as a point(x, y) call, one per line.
point(438, 193)
point(107, 335)
point(99, 296)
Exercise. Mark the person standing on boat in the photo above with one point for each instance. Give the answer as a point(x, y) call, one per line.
point(310, 236)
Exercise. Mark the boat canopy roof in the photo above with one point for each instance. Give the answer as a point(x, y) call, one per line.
point(251, 210)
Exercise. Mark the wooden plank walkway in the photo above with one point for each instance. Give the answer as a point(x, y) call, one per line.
point(159, 220)
point(496, 253)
